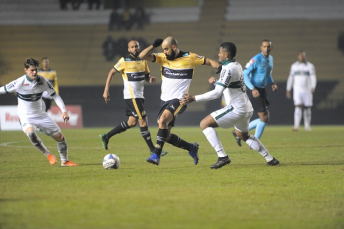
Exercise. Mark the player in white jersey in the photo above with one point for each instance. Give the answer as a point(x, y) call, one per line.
point(32, 114)
point(303, 81)
point(237, 112)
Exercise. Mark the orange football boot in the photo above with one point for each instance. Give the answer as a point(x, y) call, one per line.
point(68, 163)
point(52, 159)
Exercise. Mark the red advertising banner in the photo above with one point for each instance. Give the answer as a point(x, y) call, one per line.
point(75, 116)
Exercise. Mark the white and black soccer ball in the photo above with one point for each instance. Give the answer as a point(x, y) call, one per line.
point(111, 161)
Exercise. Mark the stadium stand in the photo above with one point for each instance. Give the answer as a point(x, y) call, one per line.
point(73, 39)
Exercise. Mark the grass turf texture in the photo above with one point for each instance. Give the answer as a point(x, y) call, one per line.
point(305, 191)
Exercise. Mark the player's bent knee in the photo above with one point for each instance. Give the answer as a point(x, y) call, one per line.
point(59, 137)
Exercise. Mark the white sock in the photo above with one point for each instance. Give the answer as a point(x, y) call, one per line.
point(37, 142)
point(307, 115)
point(63, 150)
point(297, 117)
point(211, 134)
point(255, 144)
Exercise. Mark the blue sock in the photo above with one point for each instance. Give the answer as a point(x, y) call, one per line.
point(260, 129)
point(253, 124)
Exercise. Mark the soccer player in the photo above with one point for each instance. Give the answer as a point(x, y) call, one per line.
point(134, 72)
point(30, 88)
point(237, 112)
point(177, 71)
point(257, 74)
point(303, 81)
point(50, 75)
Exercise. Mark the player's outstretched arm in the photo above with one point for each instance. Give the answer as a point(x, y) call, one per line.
point(212, 63)
point(210, 95)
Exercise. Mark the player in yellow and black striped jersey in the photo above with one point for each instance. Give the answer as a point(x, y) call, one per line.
point(177, 71)
point(134, 72)
point(50, 75)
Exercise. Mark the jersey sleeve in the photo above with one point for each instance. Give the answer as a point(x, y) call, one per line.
point(270, 79)
point(158, 57)
point(13, 86)
point(120, 65)
point(290, 80)
point(197, 59)
point(313, 77)
point(56, 85)
point(250, 66)
point(50, 88)
point(225, 77)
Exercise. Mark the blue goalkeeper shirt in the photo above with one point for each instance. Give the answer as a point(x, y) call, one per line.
point(257, 72)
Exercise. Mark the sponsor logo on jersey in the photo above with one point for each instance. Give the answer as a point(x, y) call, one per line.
point(9, 86)
point(199, 57)
point(172, 107)
point(117, 65)
point(26, 84)
point(168, 72)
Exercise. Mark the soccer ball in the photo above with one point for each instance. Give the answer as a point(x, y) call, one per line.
point(111, 161)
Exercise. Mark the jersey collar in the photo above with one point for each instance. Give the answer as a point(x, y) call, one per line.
point(38, 79)
point(132, 57)
point(225, 62)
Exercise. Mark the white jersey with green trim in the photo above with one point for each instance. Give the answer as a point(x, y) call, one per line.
point(232, 78)
point(29, 94)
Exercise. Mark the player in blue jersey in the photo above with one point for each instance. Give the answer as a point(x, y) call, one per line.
point(257, 75)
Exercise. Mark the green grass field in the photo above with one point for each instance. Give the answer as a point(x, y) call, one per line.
point(305, 191)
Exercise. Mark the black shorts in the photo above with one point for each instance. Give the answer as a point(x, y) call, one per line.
point(135, 107)
point(174, 107)
point(261, 103)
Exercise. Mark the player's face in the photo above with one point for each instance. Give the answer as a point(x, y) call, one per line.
point(134, 48)
point(266, 48)
point(169, 51)
point(222, 55)
point(31, 72)
point(45, 64)
point(301, 57)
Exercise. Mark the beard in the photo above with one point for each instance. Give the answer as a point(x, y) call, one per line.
point(135, 54)
point(172, 56)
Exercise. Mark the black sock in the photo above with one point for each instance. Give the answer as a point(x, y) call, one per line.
point(178, 142)
point(160, 140)
point(123, 126)
point(147, 137)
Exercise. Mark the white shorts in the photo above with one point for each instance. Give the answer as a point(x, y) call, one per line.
point(43, 122)
point(227, 118)
point(303, 98)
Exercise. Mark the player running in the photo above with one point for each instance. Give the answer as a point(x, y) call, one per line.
point(177, 71)
point(237, 112)
point(134, 72)
point(32, 114)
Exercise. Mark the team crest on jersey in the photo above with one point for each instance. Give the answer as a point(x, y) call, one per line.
point(184, 63)
point(249, 63)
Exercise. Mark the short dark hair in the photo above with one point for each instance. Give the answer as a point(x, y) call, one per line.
point(229, 47)
point(31, 62)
